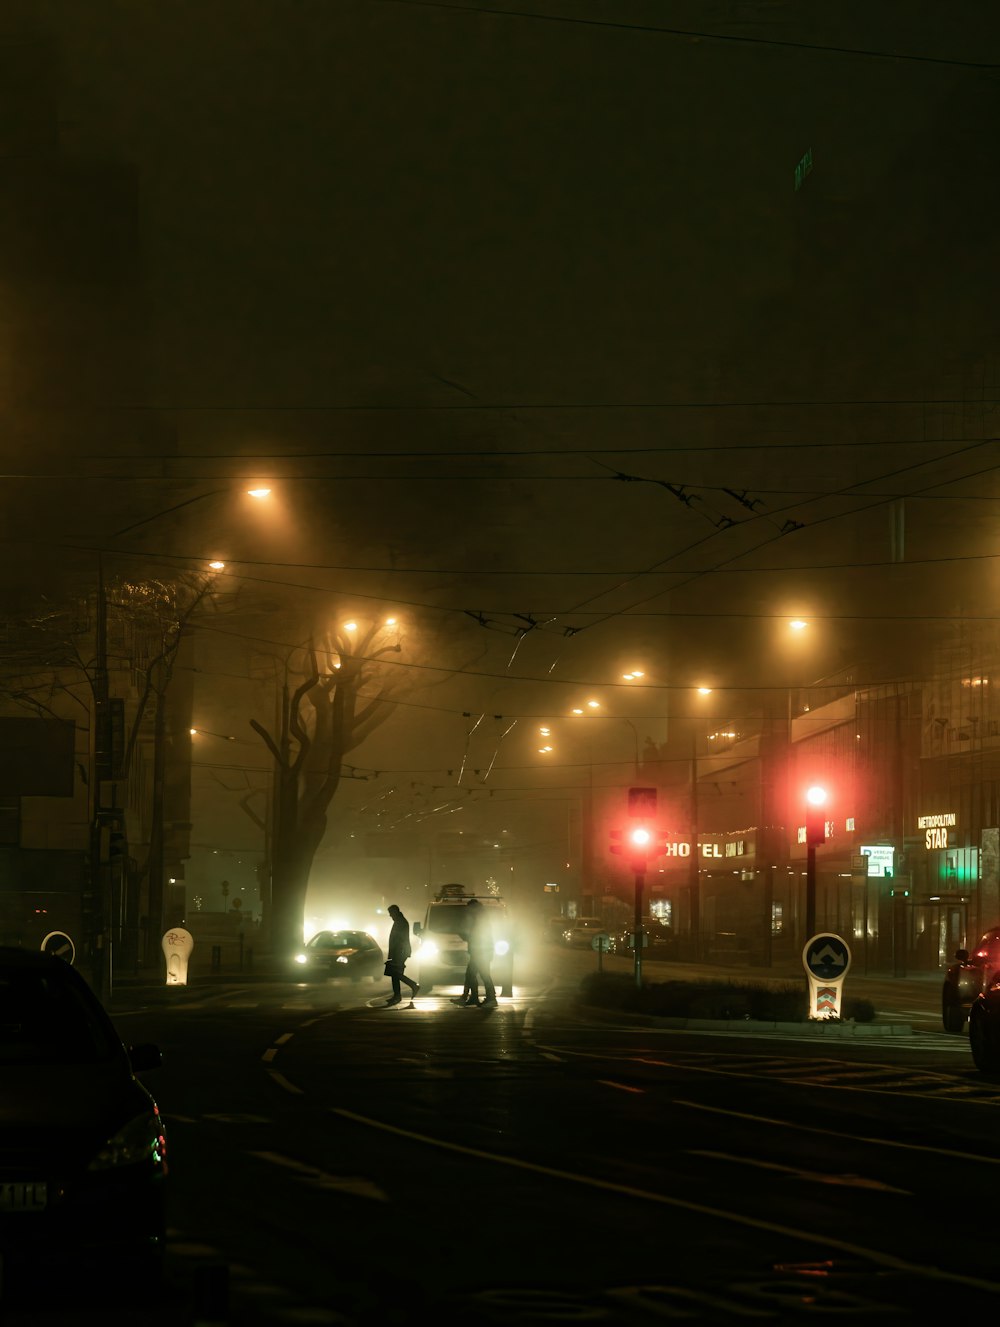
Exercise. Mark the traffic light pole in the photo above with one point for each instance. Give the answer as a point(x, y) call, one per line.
point(640, 880)
point(810, 891)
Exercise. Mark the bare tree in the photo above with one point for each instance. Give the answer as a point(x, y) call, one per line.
point(344, 695)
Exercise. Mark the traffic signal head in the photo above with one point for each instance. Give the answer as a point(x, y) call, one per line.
point(638, 842)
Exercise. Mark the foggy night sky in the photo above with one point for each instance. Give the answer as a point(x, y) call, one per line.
point(319, 240)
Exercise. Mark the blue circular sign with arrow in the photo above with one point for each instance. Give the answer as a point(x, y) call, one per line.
point(826, 957)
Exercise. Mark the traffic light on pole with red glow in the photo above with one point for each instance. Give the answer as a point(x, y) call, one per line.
point(816, 799)
point(642, 839)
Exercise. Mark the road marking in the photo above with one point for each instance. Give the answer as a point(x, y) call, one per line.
point(269, 1054)
point(978, 1157)
point(668, 1200)
point(622, 1087)
point(285, 1036)
point(356, 1185)
point(814, 1177)
point(282, 1081)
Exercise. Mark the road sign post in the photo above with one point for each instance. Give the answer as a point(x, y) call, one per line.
point(601, 942)
point(177, 945)
point(826, 959)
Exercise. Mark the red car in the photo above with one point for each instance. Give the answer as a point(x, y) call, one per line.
point(968, 978)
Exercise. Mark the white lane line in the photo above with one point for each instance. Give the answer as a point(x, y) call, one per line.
point(977, 1158)
point(269, 1054)
point(285, 1036)
point(668, 1200)
point(814, 1177)
point(356, 1185)
point(282, 1081)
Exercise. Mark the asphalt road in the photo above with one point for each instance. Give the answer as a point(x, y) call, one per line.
point(333, 1161)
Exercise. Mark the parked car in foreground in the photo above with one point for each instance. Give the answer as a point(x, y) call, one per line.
point(967, 977)
point(353, 954)
point(82, 1144)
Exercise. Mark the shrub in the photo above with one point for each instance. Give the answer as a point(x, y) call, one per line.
point(725, 1000)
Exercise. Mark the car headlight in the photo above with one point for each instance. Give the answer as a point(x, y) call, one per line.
point(501, 947)
point(142, 1139)
point(342, 958)
point(301, 958)
point(428, 950)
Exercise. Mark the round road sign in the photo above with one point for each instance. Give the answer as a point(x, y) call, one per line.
point(826, 957)
point(601, 942)
point(60, 945)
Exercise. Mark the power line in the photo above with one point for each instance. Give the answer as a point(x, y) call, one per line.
point(701, 35)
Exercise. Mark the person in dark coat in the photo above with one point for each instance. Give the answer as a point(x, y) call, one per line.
point(480, 956)
point(399, 952)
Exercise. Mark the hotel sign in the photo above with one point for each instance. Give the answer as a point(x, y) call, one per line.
point(936, 828)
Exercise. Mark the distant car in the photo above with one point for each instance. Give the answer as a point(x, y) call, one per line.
point(353, 954)
point(967, 977)
point(580, 933)
point(82, 1145)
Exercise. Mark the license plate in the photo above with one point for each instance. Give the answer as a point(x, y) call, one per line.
point(23, 1197)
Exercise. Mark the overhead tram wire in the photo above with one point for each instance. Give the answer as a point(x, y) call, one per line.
point(696, 34)
point(973, 446)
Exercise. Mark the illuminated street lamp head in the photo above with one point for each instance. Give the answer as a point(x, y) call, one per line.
point(217, 566)
point(593, 704)
point(577, 711)
point(704, 691)
point(797, 624)
point(350, 626)
point(259, 493)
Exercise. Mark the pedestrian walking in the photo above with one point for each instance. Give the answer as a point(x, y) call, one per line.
point(480, 956)
point(399, 952)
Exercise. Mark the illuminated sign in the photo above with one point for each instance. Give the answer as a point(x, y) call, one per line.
point(684, 849)
point(880, 859)
point(936, 828)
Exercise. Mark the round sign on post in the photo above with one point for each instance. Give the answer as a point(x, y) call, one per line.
point(601, 942)
point(59, 945)
point(826, 959)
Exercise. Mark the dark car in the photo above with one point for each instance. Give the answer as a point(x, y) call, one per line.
point(353, 954)
point(82, 1144)
point(984, 1029)
point(967, 977)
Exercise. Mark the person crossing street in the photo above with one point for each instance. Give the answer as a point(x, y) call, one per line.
point(399, 951)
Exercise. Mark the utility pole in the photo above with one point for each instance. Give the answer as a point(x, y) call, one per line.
point(640, 880)
point(97, 894)
point(694, 860)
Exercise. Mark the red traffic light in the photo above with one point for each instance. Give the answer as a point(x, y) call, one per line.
point(638, 841)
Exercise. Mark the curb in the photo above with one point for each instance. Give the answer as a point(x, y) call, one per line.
point(747, 1027)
